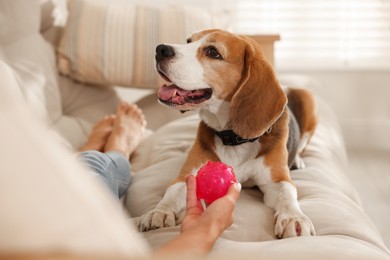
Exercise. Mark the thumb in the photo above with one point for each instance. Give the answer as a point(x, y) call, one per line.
point(234, 191)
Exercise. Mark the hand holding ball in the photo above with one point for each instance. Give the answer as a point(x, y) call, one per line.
point(213, 181)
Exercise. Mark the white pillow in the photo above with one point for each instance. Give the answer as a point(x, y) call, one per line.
point(113, 42)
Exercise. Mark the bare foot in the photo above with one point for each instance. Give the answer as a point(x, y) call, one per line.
point(99, 135)
point(128, 129)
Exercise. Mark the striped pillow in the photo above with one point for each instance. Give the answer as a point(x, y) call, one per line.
point(113, 42)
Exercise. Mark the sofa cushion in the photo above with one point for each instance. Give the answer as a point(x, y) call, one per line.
point(113, 42)
point(30, 56)
point(324, 193)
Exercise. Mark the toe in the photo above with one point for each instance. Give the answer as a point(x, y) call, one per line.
point(122, 108)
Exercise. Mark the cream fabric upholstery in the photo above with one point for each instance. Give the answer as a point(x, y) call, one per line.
point(31, 57)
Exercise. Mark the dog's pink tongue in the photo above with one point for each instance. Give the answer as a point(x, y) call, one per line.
point(167, 92)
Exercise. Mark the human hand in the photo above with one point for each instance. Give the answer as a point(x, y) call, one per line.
point(218, 216)
point(201, 228)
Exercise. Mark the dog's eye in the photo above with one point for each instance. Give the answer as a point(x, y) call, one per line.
point(189, 40)
point(213, 53)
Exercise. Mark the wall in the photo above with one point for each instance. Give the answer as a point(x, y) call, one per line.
point(361, 100)
point(222, 10)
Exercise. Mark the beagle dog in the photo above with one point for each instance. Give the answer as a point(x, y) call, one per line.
point(248, 121)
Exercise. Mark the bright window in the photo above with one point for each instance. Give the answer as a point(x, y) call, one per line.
point(317, 34)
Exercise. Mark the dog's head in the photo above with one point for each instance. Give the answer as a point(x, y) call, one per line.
point(218, 65)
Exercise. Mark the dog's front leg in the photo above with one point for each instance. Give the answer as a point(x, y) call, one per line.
point(168, 210)
point(289, 218)
point(281, 195)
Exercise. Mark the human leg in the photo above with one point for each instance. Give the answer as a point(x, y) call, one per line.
point(128, 129)
point(100, 134)
point(112, 168)
point(112, 141)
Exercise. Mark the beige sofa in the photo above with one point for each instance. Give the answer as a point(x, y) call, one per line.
point(51, 206)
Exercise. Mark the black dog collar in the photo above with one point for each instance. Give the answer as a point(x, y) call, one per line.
point(228, 137)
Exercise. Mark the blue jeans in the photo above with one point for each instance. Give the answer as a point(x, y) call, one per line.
point(112, 168)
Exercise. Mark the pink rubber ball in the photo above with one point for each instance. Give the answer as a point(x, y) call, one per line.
point(213, 181)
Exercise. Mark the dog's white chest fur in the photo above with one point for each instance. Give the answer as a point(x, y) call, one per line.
point(215, 113)
point(241, 157)
point(236, 155)
point(244, 162)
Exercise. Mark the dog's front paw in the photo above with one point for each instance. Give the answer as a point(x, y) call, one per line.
point(292, 225)
point(158, 218)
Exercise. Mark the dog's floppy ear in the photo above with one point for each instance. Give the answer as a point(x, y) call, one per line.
point(259, 100)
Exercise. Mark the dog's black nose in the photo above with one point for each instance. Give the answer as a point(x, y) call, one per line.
point(164, 51)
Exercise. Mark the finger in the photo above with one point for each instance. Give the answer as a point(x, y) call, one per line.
point(187, 176)
point(234, 191)
point(192, 200)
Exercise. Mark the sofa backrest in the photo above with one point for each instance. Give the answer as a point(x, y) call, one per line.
point(31, 57)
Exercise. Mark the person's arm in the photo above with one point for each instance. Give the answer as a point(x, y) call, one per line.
point(201, 228)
